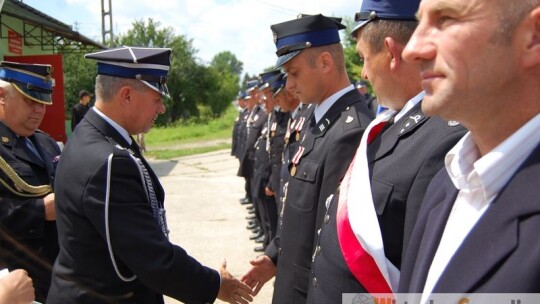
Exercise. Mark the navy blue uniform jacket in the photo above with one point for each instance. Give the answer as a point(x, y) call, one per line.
point(83, 272)
point(501, 254)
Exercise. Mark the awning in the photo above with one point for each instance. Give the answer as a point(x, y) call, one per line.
point(46, 32)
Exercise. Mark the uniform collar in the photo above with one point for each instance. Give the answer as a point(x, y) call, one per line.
point(115, 125)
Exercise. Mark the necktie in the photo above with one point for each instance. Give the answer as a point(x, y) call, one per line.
point(32, 149)
point(157, 211)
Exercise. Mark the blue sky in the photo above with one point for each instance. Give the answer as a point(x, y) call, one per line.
point(239, 26)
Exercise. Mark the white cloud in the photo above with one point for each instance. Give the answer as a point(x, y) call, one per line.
point(239, 26)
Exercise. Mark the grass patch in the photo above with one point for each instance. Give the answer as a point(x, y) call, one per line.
point(173, 153)
point(189, 132)
point(190, 137)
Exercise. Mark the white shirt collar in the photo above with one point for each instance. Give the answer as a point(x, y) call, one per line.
point(492, 171)
point(116, 126)
point(324, 106)
point(409, 105)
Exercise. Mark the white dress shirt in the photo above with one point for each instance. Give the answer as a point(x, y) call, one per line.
point(479, 180)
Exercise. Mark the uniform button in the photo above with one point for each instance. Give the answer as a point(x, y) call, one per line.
point(280, 252)
point(305, 174)
point(32, 231)
point(314, 282)
point(327, 219)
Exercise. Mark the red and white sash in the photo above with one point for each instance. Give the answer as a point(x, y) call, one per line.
point(358, 228)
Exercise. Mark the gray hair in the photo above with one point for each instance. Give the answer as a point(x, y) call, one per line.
point(108, 86)
point(511, 13)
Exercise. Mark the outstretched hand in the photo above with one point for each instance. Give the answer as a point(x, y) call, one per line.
point(262, 270)
point(232, 290)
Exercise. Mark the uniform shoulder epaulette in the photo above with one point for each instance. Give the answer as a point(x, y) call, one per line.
point(411, 122)
point(350, 118)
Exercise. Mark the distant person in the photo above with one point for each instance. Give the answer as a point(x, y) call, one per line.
point(80, 109)
point(371, 100)
point(114, 240)
point(16, 288)
point(28, 157)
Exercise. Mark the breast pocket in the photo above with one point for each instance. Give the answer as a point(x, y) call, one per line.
point(382, 192)
point(305, 183)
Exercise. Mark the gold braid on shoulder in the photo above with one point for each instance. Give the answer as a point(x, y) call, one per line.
point(22, 188)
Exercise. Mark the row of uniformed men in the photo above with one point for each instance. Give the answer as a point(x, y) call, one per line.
point(319, 250)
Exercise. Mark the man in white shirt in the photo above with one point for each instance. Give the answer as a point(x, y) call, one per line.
point(477, 229)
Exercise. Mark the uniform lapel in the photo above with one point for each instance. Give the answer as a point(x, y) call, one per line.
point(47, 159)
point(442, 204)
point(109, 131)
point(387, 140)
point(329, 118)
point(496, 235)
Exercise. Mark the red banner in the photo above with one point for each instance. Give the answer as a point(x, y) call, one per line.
point(15, 44)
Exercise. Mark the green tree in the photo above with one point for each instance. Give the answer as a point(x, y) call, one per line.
point(223, 81)
point(353, 64)
point(227, 61)
point(184, 85)
point(79, 74)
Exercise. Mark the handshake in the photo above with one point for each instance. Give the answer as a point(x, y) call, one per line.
point(242, 291)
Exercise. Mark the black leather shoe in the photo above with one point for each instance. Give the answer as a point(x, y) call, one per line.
point(245, 201)
point(258, 249)
point(252, 226)
point(257, 235)
point(260, 240)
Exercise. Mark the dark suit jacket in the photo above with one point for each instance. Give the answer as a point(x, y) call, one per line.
point(241, 134)
point(402, 160)
point(500, 255)
point(83, 272)
point(77, 114)
point(291, 146)
point(253, 131)
point(277, 144)
point(22, 219)
point(328, 152)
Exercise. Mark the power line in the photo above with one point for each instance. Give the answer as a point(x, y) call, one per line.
point(279, 9)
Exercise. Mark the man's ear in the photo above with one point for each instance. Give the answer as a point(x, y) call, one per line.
point(125, 94)
point(326, 61)
point(531, 30)
point(394, 51)
point(3, 93)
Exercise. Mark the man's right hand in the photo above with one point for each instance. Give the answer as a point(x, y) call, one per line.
point(50, 212)
point(231, 289)
point(262, 270)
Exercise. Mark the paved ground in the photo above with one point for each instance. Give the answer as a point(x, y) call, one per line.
point(204, 215)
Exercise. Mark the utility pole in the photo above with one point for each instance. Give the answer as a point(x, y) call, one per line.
point(106, 27)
